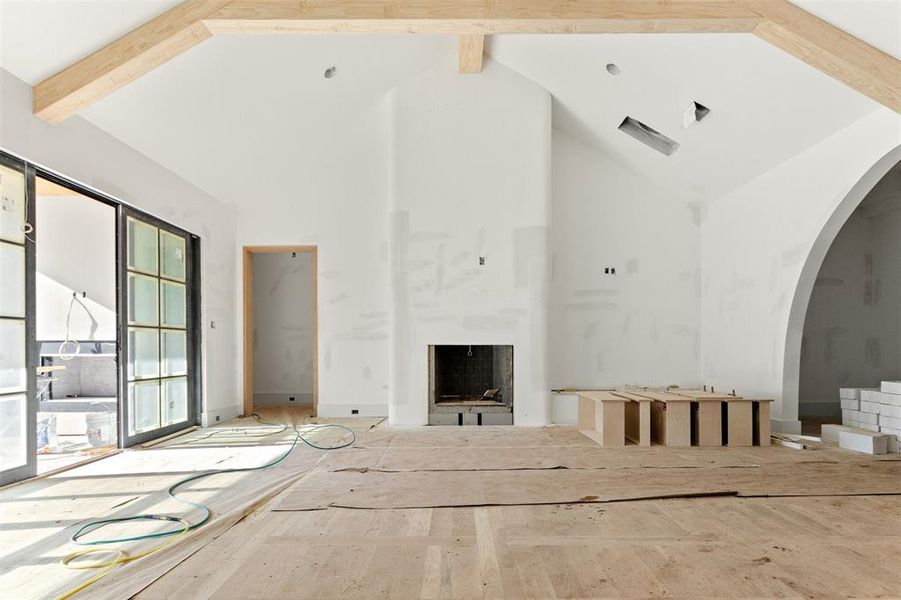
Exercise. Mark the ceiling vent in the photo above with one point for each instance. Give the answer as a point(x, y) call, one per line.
point(649, 136)
point(694, 113)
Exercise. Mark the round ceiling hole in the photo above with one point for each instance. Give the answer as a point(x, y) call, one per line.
point(330, 72)
point(613, 68)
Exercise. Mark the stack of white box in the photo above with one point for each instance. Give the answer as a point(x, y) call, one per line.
point(874, 410)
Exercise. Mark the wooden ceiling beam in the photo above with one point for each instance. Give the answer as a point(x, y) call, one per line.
point(472, 48)
point(483, 16)
point(830, 50)
point(779, 22)
point(124, 60)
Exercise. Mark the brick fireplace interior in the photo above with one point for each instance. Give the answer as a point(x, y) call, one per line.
point(470, 385)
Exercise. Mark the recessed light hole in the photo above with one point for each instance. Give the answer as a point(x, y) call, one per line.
point(330, 72)
point(613, 69)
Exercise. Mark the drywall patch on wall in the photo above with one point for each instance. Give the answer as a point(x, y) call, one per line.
point(469, 194)
point(642, 323)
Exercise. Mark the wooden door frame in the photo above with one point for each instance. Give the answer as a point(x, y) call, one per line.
point(248, 252)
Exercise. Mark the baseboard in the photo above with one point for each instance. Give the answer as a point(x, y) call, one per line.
point(282, 398)
point(780, 426)
point(220, 415)
point(346, 410)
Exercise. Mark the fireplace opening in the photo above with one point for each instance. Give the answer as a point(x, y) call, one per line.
point(469, 383)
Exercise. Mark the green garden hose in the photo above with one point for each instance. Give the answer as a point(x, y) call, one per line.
point(171, 492)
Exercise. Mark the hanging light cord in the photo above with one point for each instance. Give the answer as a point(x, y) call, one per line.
point(63, 354)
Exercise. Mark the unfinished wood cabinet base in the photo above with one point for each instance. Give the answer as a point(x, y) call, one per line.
point(638, 421)
point(709, 423)
point(602, 417)
point(740, 419)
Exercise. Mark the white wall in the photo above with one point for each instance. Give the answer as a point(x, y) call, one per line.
point(335, 199)
point(641, 325)
point(755, 242)
point(282, 328)
point(76, 252)
point(81, 151)
point(852, 330)
point(470, 177)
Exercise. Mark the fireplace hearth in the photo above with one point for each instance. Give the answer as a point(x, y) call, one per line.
point(470, 385)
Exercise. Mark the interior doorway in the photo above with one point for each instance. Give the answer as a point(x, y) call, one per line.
point(852, 327)
point(76, 327)
point(280, 327)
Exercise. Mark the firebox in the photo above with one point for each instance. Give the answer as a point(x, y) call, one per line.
point(470, 385)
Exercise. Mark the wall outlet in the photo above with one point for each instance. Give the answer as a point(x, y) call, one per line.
point(217, 418)
point(354, 411)
point(290, 398)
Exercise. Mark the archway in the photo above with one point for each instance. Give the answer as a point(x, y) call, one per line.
point(811, 269)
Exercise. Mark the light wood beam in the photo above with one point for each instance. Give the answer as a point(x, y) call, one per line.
point(483, 16)
point(124, 60)
point(779, 22)
point(830, 50)
point(472, 48)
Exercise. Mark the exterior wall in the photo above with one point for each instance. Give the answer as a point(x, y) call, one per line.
point(85, 153)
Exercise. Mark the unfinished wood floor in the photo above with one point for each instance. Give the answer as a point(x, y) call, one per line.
point(807, 546)
point(481, 512)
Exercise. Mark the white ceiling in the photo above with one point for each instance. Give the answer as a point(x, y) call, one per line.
point(241, 104)
point(765, 106)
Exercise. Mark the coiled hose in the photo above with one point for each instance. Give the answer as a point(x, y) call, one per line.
point(121, 557)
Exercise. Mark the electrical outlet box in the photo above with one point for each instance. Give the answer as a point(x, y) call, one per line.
point(290, 398)
point(354, 411)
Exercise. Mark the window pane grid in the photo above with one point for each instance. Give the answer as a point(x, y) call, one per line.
point(157, 394)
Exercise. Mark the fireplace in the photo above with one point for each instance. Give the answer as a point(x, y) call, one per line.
point(470, 385)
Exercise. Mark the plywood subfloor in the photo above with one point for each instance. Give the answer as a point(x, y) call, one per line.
point(494, 512)
point(347, 530)
point(38, 517)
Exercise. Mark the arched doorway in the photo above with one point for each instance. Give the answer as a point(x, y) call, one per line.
point(836, 327)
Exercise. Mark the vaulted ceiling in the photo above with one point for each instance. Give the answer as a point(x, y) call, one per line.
point(253, 104)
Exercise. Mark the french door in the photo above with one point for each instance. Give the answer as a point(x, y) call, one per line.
point(158, 283)
point(18, 405)
point(159, 350)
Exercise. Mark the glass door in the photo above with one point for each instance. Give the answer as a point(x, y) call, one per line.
point(157, 297)
point(17, 365)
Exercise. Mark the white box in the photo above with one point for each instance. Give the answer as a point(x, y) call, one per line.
point(890, 399)
point(829, 433)
point(890, 422)
point(871, 395)
point(894, 440)
point(871, 407)
point(863, 441)
point(889, 410)
point(857, 416)
point(849, 393)
point(891, 387)
point(868, 426)
point(853, 404)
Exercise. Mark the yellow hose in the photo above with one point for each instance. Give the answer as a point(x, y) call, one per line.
point(120, 559)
